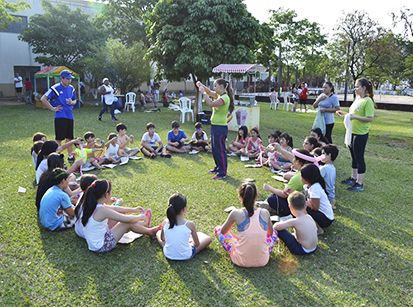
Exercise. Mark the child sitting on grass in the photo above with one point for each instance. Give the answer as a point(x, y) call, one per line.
point(152, 144)
point(38, 139)
point(177, 139)
point(124, 140)
point(328, 171)
point(86, 156)
point(199, 140)
point(277, 161)
point(253, 145)
point(240, 141)
point(112, 153)
point(56, 211)
point(85, 181)
point(253, 244)
point(178, 236)
point(95, 216)
point(304, 240)
point(318, 205)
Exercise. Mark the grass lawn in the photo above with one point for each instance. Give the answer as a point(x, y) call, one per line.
point(365, 257)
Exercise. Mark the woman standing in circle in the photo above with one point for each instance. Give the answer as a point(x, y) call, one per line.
point(222, 104)
point(329, 104)
point(361, 114)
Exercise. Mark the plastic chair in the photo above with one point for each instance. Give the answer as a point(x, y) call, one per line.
point(130, 101)
point(287, 101)
point(185, 107)
point(274, 101)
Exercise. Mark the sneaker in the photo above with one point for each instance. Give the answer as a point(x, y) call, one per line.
point(213, 171)
point(349, 181)
point(231, 154)
point(166, 155)
point(193, 152)
point(114, 119)
point(357, 187)
point(100, 118)
point(218, 177)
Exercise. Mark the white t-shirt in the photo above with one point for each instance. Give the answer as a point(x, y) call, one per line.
point(41, 169)
point(153, 141)
point(204, 136)
point(19, 82)
point(316, 191)
point(109, 97)
point(112, 151)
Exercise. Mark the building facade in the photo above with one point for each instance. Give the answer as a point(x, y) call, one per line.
point(17, 56)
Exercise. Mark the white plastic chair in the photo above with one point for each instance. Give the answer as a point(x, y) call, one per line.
point(287, 101)
point(130, 101)
point(274, 101)
point(185, 107)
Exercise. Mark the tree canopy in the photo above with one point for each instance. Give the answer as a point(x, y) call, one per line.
point(61, 36)
point(6, 8)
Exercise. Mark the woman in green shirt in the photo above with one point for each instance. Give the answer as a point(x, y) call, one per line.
point(361, 115)
point(222, 104)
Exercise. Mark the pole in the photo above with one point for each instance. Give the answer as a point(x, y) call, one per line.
point(346, 77)
point(279, 71)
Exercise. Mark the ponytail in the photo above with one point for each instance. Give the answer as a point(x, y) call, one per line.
point(177, 202)
point(89, 200)
point(369, 88)
point(311, 173)
point(248, 193)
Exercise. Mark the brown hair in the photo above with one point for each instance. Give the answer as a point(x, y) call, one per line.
point(230, 93)
point(369, 88)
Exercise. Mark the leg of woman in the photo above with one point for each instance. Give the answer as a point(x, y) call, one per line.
point(360, 142)
point(353, 158)
point(204, 241)
point(222, 155)
point(279, 205)
point(214, 140)
point(112, 110)
point(291, 242)
point(104, 110)
point(329, 131)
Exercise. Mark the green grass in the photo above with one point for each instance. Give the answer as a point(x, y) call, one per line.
point(365, 258)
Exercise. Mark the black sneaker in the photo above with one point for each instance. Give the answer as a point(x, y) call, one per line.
point(349, 181)
point(114, 119)
point(71, 159)
point(357, 187)
point(100, 118)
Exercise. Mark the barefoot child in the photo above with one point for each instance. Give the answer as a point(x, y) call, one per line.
point(304, 240)
point(253, 244)
point(124, 140)
point(178, 236)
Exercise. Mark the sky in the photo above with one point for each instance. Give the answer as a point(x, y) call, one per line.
point(328, 13)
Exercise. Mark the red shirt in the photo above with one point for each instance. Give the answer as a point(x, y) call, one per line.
point(304, 94)
point(28, 85)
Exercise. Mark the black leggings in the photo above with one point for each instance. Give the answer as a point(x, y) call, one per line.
point(357, 148)
point(329, 130)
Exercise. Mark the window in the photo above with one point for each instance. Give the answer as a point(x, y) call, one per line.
point(17, 26)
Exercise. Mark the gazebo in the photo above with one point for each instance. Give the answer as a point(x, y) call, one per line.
point(230, 69)
point(50, 72)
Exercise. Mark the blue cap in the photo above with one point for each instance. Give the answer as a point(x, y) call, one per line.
point(66, 74)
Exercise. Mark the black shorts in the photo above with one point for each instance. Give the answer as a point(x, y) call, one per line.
point(63, 128)
point(19, 89)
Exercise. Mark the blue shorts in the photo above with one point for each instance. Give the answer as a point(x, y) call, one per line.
point(193, 252)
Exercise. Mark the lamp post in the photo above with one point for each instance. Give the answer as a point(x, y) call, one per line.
point(269, 75)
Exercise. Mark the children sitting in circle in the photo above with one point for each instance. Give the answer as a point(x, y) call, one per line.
point(177, 139)
point(199, 139)
point(178, 236)
point(252, 245)
point(276, 160)
point(304, 240)
point(112, 153)
point(238, 145)
point(253, 146)
point(152, 144)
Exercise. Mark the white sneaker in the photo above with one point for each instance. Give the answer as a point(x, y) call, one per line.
point(193, 152)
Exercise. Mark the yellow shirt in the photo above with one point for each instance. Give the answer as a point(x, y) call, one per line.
point(361, 107)
point(219, 114)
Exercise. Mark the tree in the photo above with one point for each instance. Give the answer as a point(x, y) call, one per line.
point(297, 39)
point(405, 16)
point(61, 36)
point(6, 8)
point(124, 19)
point(190, 37)
point(125, 65)
point(358, 31)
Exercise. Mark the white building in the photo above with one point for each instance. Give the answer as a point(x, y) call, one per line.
point(16, 56)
